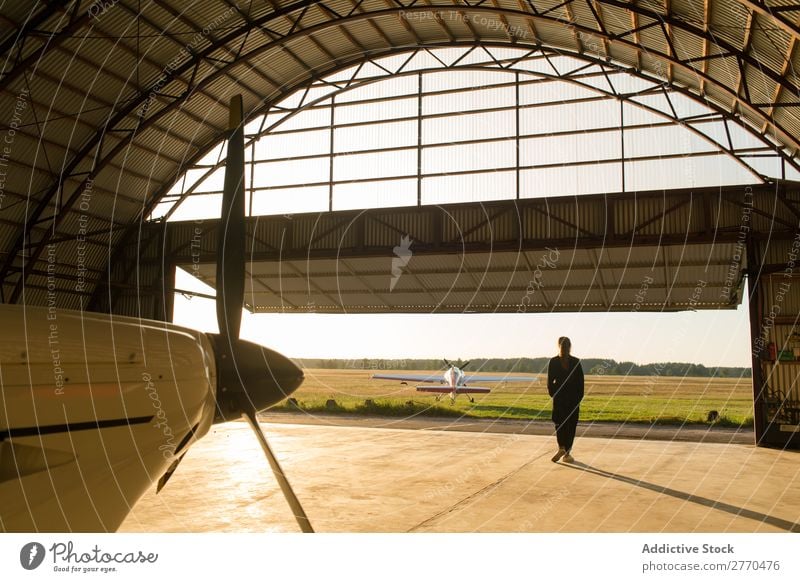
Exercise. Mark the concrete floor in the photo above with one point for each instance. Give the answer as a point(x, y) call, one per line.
point(363, 479)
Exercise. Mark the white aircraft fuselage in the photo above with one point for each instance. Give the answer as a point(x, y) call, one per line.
point(94, 409)
point(454, 377)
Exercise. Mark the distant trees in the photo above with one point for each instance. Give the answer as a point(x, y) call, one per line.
point(595, 366)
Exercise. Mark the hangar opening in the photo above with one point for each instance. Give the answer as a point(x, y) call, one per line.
point(637, 196)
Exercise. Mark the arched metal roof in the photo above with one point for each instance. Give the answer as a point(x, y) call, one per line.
point(105, 103)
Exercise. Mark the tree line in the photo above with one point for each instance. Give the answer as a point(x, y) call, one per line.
point(596, 366)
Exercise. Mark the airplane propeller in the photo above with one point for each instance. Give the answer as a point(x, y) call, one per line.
point(250, 377)
point(460, 366)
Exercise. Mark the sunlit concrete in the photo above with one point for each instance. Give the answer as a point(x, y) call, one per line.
point(361, 479)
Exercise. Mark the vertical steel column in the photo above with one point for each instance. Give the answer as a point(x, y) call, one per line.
point(168, 294)
point(516, 121)
point(755, 311)
point(622, 142)
point(330, 160)
point(419, 139)
point(164, 284)
point(252, 176)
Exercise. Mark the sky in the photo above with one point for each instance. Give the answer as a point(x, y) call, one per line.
point(711, 338)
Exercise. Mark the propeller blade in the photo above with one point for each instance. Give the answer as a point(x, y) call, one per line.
point(466, 364)
point(165, 477)
point(249, 377)
point(231, 241)
point(446, 363)
point(291, 498)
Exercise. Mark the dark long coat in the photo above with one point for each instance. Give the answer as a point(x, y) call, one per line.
point(565, 387)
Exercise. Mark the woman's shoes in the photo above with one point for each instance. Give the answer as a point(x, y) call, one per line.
point(562, 454)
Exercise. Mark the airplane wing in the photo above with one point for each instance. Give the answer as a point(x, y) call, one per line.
point(507, 378)
point(459, 390)
point(434, 377)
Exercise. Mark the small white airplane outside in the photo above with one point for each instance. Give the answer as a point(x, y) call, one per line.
point(453, 381)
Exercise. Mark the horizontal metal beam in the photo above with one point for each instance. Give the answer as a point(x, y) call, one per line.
point(447, 289)
point(279, 239)
point(440, 308)
point(459, 269)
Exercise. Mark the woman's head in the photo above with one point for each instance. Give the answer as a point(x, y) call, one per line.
point(564, 345)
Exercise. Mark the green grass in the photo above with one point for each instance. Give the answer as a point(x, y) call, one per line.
point(406, 409)
point(633, 399)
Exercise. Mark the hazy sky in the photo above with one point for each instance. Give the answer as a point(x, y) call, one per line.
point(711, 338)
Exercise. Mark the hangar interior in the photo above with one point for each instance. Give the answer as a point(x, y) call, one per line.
point(535, 156)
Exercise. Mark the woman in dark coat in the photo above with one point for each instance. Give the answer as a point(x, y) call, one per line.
point(565, 385)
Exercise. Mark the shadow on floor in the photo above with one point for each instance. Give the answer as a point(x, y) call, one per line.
point(704, 501)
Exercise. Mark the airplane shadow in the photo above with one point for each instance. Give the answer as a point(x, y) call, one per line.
point(704, 501)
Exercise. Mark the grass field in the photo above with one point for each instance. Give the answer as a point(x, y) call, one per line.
point(638, 399)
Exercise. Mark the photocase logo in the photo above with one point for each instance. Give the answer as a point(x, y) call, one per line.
point(31, 555)
point(402, 254)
